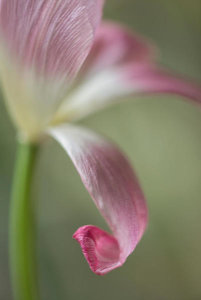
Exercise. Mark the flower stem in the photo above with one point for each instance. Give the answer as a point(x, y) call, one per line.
point(22, 233)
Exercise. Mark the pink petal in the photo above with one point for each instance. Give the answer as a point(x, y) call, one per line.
point(114, 188)
point(121, 65)
point(43, 44)
point(115, 45)
point(149, 79)
point(53, 36)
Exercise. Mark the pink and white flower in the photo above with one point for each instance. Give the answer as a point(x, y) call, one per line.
point(58, 65)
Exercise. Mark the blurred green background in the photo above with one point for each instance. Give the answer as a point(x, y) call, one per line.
point(161, 136)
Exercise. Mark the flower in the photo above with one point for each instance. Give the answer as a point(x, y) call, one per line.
point(57, 65)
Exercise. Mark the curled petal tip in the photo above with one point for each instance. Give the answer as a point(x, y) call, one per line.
point(114, 188)
point(100, 249)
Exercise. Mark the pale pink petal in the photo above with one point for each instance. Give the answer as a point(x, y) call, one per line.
point(147, 78)
point(43, 44)
point(114, 188)
point(121, 65)
point(53, 36)
point(117, 84)
point(115, 45)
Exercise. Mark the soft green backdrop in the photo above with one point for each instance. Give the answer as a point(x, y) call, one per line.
point(162, 137)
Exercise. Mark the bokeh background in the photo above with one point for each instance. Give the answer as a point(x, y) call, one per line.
point(161, 136)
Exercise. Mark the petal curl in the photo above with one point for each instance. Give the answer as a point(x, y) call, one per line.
point(114, 188)
point(119, 66)
point(43, 44)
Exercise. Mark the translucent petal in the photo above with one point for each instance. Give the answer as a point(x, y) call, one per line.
point(43, 44)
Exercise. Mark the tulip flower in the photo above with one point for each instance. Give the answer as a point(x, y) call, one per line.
point(57, 66)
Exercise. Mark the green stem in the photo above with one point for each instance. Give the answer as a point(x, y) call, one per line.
point(22, 234)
